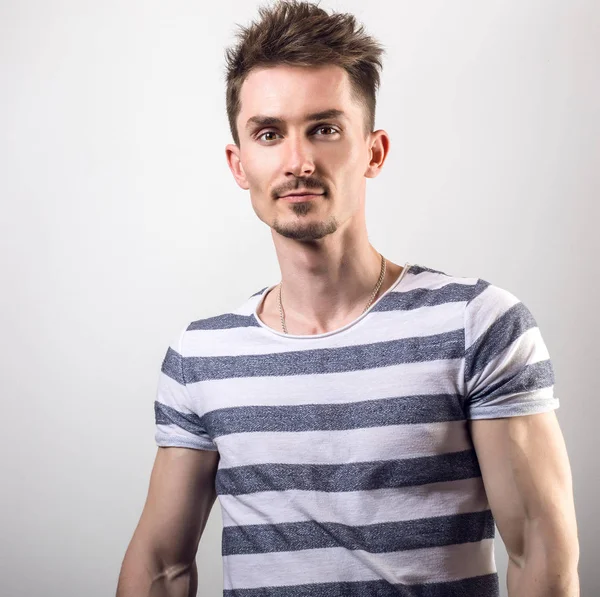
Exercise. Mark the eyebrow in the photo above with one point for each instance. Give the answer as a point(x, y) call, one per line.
point(261, 121)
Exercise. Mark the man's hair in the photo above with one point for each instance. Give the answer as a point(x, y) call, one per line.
point(302, 34)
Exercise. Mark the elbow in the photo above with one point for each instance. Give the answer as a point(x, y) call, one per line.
point(171, 574)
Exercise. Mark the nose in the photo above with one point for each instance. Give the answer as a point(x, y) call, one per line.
point(298, 156)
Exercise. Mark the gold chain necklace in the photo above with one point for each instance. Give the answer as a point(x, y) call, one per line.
point(373, 294)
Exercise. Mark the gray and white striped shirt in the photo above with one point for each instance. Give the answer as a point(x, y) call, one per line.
point(346, 466)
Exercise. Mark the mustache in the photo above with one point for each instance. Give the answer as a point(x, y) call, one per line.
point(310, 184)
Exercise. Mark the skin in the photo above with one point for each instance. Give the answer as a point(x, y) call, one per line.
point(527, 477)
point(328, 266)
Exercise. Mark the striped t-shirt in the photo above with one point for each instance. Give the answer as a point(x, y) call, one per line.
point(346, 467)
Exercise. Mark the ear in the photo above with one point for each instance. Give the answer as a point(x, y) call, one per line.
point(232, 153)
point(380, 146)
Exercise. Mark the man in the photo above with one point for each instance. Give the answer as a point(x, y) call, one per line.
point(364, 424)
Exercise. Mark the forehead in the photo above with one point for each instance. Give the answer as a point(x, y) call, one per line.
point(290, 92)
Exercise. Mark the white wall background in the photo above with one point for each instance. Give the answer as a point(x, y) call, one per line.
point(120, 222)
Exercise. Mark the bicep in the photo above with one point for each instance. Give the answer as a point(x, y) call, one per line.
point(180, 497)
point(527, 477)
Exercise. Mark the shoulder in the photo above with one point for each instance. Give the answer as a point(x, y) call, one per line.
point(484, 302)
point(477, 289)
point(214, 326)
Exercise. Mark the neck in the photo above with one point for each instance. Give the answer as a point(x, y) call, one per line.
point(327, 283)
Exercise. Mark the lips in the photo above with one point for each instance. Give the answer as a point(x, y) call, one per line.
point(300, 194)
point(304, 198)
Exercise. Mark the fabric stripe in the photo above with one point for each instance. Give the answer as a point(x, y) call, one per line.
point(169, 436)
point(334, 564)
point(224, 322)
point(402, 410)
point(338, 446)
point(165, 415)
point(354, 476)
point(355, 508)
point(419, 379)
point(172, 366)
point(420, 269)
point(424, 297)
point(528, 379)
point(449, 345)
point(375, 538)
point(485, 585)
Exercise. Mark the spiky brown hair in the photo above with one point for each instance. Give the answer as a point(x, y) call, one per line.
point(302, 34)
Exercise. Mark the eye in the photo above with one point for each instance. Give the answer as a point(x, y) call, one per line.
point(267, 133)
point(320, 128)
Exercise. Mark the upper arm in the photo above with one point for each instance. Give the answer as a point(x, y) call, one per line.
point(527, 478)
point(180, 497)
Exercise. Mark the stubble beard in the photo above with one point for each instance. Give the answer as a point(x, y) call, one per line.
point(305, 231)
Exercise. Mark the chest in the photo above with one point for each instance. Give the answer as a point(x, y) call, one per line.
point(333, 416)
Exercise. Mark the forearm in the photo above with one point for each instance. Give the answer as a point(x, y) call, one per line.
point(545, 572)
point(141, 576)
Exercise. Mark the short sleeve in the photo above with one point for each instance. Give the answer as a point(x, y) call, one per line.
point(176, 414)
point(507, 368)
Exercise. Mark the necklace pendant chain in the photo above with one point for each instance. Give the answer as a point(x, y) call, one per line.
point(373, 294)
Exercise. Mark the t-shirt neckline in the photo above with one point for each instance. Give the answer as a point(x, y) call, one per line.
point(262, 324)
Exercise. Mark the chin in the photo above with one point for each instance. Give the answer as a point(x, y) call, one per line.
point(306, 231)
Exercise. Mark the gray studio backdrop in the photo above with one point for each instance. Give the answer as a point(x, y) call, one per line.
point(121, 222)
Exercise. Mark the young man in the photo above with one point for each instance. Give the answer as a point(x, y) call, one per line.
point(363, 423)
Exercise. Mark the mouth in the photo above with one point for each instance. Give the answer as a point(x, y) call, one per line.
point(301, 197)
